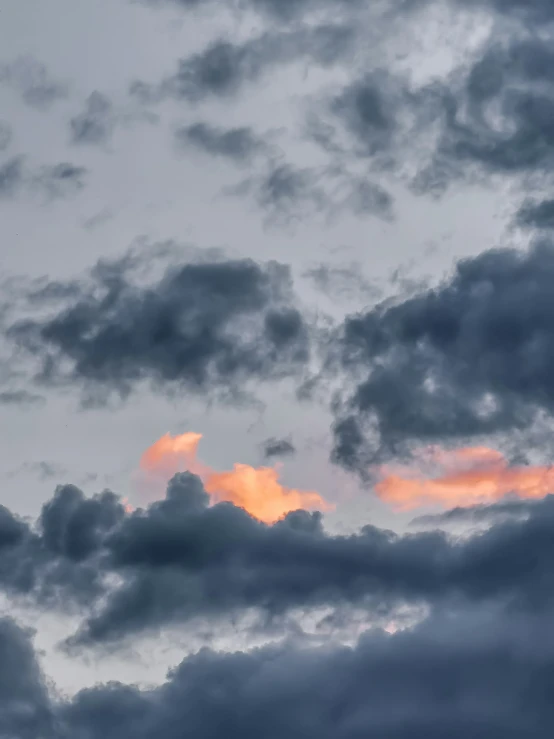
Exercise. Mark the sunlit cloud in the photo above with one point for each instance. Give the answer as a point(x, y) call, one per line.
point(256, 489)
point(460, 477)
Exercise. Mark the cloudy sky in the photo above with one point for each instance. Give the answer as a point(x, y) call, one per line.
point(276, 368)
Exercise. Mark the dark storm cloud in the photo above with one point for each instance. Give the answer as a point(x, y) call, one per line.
point(278, 448)
point(180, 559)
point(208, 327)
point(50, 182)
point(58, 561)
point(536, 215)
point(470, 357)
point(95, 124)
point(468, 674)
point(464, 676)
point(26, 710)
point(224, 67)
point(238, 144)
point(32, 81)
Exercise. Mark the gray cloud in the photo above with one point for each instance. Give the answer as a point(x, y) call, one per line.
point(288, 193)
point(470, 357)
point(20, 398)
point(278, 448)
point(462, 676)
point(33, 82)
point(95, 124)
point(50, 182)
point(224, 67)
point(180, 559)
point(536, 215)
point(207, 327)
point(238, 144)
point(26, 709)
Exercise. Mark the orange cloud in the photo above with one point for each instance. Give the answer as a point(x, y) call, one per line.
point(467, 477)
point(256, 489)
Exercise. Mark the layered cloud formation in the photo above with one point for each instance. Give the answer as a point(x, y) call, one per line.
point(288, 132)
point(188, 556)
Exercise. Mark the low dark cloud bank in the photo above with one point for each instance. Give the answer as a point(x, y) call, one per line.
point(209, 327)
point(181, 559)
point(464, 671)
point(457, 677)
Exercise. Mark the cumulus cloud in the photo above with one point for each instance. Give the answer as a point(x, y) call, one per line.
point(470, 357)
point(472, 674)
point(209, 327)
point(189, 556)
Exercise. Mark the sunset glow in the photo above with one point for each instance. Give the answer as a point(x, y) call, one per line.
point(464, 477)
point(256, 489)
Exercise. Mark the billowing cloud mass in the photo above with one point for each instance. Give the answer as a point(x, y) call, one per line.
point(181, 558)
point(208, 327)
point(468, 476)
point(469, 357)
point(430, 681)
point(257, 490)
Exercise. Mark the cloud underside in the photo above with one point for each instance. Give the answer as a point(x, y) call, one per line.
point(479, 664)
point(460, 677)
point(182, 558)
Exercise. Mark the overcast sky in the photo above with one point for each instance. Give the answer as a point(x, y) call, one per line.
point(319, 234)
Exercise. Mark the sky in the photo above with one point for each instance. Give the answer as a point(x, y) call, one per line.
point(276, 361)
